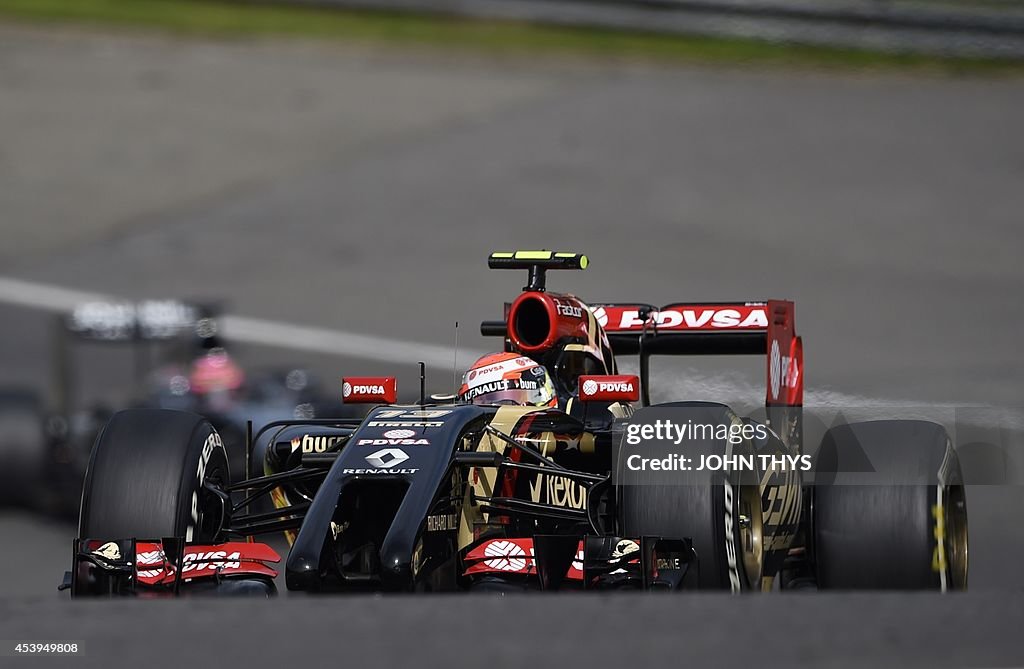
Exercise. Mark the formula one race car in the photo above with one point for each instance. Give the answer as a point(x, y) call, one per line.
point(449, 495)
point(179, 362)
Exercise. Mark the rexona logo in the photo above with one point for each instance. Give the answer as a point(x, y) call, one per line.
point(356, 389)
point(612, 388)
point(558, 491)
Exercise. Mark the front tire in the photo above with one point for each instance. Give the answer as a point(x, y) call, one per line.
point(148, 476)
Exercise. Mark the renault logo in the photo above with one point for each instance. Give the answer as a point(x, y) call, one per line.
point(387, 458)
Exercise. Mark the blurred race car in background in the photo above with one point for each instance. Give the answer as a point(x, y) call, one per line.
point(449, 495)
point(179, 362)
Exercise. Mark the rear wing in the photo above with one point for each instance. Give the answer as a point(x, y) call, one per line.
point(721, 328)
point(538, 320)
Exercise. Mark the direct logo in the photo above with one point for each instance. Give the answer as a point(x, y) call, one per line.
point(600, 315)
point(346, 389)
point(399, 434)
point(589, 387)
point(386, 458)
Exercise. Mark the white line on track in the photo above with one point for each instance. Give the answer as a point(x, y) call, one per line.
point(252, 330)
point(688, 383)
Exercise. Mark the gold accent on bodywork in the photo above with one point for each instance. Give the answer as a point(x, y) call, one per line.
point(280, 499)
point(505, 421)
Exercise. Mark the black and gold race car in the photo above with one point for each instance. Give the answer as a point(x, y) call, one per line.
point(603, 491)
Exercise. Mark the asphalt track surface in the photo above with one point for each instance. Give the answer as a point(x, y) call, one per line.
point(358, 191)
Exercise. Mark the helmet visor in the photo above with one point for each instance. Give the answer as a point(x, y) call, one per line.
point(518, 396)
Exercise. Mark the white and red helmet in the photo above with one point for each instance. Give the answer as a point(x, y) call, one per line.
point(508, 378)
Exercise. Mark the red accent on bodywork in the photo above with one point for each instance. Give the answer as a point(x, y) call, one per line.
point(684, 317)
point(784, 359)
point(795, 387)
point(228, 559)
point(369, 389)
point(513, 556)
point(537, 321)
point(609, 388)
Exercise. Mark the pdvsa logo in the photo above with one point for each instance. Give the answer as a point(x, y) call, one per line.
point(210, 559)
point(347, 390)
point(393, 441)
point(783, 371)
point(612, 388)
point(738, 317)
point(367, 389)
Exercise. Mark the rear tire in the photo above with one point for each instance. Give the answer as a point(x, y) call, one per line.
point(146, 478)
point(909, 532)
point(701, 505)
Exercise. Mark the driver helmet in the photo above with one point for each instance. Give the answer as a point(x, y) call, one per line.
point(215, 372)
point(508, 378)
